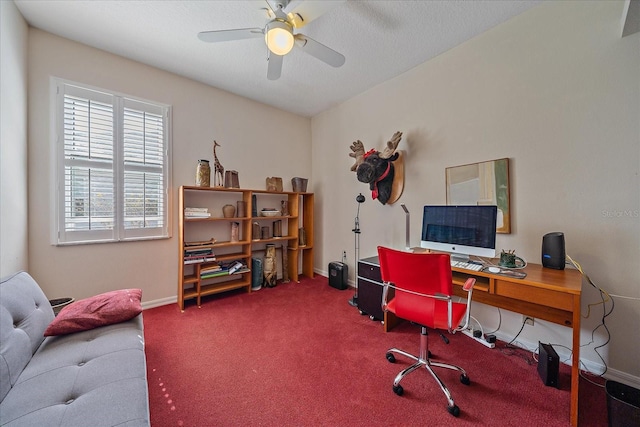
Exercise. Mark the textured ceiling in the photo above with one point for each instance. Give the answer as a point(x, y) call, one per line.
point(380, 40)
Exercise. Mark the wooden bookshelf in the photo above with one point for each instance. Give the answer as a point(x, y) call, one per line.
point(202, 229)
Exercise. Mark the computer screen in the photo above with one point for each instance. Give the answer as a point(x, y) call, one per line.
point(460, 230)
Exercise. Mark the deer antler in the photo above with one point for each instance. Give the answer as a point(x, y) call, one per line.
point(392, 144)
point(358, 154)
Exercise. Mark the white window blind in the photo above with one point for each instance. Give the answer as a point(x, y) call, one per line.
point(112, 160)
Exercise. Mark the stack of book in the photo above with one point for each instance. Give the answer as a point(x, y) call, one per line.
point(213, 270)
point(198, 254)
point(197, 213)
point(224, 269)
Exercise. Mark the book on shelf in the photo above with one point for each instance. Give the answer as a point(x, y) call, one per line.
point(200, 251)
point(197, 260)
point(210, 269)
point(200, 256)
point(207, 243)
point(197, 213)
point(235, 267)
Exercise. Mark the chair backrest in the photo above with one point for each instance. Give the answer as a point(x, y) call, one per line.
point(423, 273)
point(419, 274)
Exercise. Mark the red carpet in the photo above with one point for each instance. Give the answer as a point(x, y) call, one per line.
point(300, 355)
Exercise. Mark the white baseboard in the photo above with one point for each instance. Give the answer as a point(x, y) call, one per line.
point(159, 302)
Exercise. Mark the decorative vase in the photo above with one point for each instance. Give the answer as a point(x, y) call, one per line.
point(228, 211)
point(299, 184)
point(235, 231)
point(254, 206)
point(203, 173)
point(285, 264)
point(277, 228)
point(241, 209)
point(284, 211)
point(265, 234)
point(270, 265)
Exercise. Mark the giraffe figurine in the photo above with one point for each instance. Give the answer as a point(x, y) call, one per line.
point(218, 177)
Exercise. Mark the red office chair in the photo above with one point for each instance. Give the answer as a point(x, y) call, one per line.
point(423, 291)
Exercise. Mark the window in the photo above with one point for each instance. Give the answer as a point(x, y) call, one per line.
point(112, 157)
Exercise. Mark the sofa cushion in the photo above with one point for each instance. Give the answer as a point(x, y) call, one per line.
point(25, 313)
point(100, 310)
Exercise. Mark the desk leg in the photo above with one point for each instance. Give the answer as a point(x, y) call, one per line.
point(390, 321)
point(575, 360)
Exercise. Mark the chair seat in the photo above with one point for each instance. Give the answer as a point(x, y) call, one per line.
point(429, 313)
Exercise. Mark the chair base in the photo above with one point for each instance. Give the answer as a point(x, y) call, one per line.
point(424, 360)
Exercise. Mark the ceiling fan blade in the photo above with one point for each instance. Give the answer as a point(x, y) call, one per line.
point(320, 51)
point(228, 35)
point(302, 12)
point(274, 66)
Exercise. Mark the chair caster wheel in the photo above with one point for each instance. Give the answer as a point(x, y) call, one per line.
point(372, 317)
point(362, 313)
point(454, 410)
point(391, 358)
point(465, 379)
point(397, 389)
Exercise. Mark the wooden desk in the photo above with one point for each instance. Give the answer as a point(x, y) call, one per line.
point(547, 294)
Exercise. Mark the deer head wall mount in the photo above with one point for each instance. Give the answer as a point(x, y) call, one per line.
point(383, 171)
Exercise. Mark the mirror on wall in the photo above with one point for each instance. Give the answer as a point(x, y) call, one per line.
point(483, 183)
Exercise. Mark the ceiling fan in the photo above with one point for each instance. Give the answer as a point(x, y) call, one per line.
point(279, 36)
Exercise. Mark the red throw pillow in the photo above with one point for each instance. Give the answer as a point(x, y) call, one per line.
point(100, 310)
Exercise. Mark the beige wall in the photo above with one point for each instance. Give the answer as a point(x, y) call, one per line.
point(13, 140)
point(258, 141)
point(556, 90)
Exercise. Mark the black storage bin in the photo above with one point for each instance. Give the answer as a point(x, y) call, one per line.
point(623, 405)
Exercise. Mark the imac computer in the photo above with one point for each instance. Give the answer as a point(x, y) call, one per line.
point(460, 230)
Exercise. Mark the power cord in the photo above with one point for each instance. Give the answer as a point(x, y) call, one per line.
point(515, 350)
point(499, 323)
point(605, 297)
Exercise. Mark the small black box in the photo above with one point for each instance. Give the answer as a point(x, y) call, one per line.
point(548, 364)
point(338, 275)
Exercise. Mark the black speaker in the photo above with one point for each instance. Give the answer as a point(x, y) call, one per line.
point(338, 275)
point(553, 254)
point(548, 364)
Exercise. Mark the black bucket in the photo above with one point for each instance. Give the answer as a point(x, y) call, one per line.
point(623, 404)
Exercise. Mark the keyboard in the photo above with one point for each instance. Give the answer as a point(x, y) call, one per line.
point(467, 265)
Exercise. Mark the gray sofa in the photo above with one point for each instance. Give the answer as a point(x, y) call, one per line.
point(91, 378)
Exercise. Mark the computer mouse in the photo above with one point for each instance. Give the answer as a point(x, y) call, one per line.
point(494, 270)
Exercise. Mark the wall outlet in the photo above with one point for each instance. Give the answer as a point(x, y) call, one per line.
point(528, 320)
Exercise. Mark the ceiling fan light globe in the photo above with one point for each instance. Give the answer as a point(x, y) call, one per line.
point(279, 38)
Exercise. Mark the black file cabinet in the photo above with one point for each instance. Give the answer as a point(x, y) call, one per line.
point(370, 288)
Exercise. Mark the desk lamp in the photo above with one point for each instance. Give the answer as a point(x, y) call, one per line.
point(408, 221)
